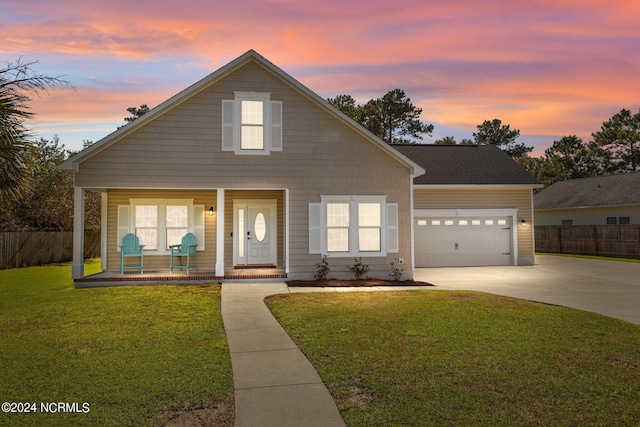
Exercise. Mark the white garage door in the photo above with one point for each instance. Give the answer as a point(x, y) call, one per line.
point(462, 242)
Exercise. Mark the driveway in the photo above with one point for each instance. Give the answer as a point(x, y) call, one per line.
point(611, 288)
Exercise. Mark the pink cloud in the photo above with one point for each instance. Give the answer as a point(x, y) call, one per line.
point(550, 68)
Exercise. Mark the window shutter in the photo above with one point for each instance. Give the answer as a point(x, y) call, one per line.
point(198, 226)
point(276, 125)
point(123, 223)
point(393, 245)
point(314, 228)
point(227, 125)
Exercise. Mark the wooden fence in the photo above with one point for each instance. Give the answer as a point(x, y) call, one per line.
point(23, 249)
point(622, 241)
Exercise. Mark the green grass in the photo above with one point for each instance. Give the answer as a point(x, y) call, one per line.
point(466, 358)
point(138, 355)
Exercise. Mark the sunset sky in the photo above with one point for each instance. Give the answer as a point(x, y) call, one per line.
point(548, 68)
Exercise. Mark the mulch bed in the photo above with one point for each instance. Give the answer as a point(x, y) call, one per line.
point(353, 283)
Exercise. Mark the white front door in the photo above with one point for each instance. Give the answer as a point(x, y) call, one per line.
point(255, 233)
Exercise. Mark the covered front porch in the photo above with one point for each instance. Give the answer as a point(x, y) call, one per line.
point(242, 234)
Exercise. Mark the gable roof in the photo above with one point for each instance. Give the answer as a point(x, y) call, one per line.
point(610, 190)
point(466, 165)
point(73, 162)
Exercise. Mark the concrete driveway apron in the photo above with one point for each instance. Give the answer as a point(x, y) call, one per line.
point(611, 288)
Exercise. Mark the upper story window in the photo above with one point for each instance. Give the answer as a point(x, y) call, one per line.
point(251, 124)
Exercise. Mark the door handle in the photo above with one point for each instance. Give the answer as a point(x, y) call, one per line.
point(456, 246)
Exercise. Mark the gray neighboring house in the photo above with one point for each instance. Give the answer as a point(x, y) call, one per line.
point(471, 207)
point(600, 200)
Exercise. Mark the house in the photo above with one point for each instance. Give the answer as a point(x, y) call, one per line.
point(268, 175)
point(472, 207)
point(599, 200)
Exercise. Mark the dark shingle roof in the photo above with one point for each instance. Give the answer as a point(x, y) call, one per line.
point(610, 190)
point(466, 165)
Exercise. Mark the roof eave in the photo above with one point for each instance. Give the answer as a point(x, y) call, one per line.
point(73, 163)
point(478, 186)
point(564, 208)
point(415, 169)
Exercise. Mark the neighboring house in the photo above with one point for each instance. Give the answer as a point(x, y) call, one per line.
point(267, 174)
point(600, 200)
point(472, 207)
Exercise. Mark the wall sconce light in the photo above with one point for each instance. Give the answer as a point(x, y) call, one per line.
point(211, 209)
point(523, 221)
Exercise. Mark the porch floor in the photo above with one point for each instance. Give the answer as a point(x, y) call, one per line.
point(114, 278)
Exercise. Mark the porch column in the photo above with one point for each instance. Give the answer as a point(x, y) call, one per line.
point(103, 230)
point(220, 232)
point(77, 269)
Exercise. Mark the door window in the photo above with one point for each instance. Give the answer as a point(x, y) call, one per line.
point(260, 227)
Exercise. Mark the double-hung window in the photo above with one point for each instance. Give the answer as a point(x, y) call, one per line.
point(369, 227)
point(251, 123)
point(177, 224)
point(160, 223)
point(337, 227)
point(146, 226)
point(345, 226)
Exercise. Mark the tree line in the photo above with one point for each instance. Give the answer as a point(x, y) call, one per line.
point(615, 148)
point(34, 193)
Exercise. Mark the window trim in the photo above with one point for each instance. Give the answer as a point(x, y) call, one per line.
point(194, 225)
point(242, 125)
point(354, 225)
point(232, 123)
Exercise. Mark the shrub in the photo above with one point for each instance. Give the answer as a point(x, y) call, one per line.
point(322, 269)
point(396, 270)
point(359, 269)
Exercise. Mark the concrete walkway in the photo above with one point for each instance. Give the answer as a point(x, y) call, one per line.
point(275, 384)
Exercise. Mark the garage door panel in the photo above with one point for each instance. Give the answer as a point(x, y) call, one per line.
point(471, 246)
point(443, 241)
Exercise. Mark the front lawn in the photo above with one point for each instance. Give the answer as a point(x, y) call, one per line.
point(466, 358)
point(140, 355)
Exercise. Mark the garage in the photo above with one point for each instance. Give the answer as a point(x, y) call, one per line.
point(463, 240)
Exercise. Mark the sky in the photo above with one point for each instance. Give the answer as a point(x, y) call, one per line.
point(547, 68)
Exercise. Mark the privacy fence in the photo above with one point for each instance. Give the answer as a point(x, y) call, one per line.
point(622, 241)
point(23, 249)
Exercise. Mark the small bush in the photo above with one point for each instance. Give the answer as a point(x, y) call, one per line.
point(322, 269)
point(396, 270)
point(359, 269)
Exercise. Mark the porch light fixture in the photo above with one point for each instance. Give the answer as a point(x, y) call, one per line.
point(523, 221)
point(211, 209)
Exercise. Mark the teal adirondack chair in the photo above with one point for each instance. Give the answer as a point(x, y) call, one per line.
point(186, 249)
point(131, 248)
